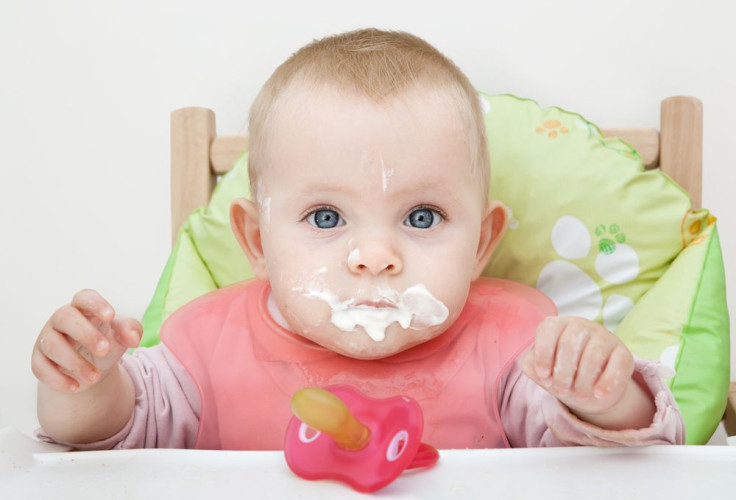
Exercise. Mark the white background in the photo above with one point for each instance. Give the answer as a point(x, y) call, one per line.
point(86, 89)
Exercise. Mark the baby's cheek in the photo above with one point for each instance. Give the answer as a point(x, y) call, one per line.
point(306, 316)
point(454, 298)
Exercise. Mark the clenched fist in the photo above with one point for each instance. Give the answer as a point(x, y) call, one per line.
point(581, 363)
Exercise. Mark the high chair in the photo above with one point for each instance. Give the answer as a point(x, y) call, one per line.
point(199, 156)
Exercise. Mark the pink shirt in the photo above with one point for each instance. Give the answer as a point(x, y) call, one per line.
point(468, 382)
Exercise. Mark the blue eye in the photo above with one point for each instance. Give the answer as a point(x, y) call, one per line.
point(325, 218)
point(423, 218)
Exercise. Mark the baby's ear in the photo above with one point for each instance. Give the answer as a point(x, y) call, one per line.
point(245, 223)
point(492, 229)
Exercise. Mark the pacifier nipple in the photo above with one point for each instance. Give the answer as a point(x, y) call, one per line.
point(323, 411)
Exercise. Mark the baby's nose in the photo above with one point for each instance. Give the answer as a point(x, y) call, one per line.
point(375, 257)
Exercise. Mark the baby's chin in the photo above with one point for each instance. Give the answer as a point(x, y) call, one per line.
point(359, 345)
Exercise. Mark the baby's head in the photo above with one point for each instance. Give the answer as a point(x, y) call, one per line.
point(371, 65)
point(369, 172)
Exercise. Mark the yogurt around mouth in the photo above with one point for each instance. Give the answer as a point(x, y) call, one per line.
point(415, 308)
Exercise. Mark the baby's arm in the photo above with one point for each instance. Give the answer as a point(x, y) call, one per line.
point(84, 394)
point(589, 370)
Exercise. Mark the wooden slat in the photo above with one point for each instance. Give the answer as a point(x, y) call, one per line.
point(225, 150)
point(644, 140)
point(730, 420)
point(681, 149)
point(192, 131)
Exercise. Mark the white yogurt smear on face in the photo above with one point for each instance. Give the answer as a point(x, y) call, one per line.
point(264, 204)
point(416, 308)
point(386, 174)
point(353, 256)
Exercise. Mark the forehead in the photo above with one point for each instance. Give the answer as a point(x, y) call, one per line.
point(419, 125)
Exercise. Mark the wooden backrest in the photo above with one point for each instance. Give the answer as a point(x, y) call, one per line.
point(199, 155)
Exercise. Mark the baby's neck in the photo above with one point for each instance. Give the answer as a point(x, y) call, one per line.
point(273, 310)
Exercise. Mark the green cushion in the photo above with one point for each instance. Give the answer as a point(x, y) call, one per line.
point(603, 237)
point(205, 256)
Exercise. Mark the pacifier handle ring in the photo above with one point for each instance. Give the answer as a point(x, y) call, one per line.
point(426, 456)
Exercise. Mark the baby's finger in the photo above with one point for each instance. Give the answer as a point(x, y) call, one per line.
point(591, 366)
point(48, 373)
point(617, 373)
point(92, 303)
point(72, 322)
point(128, 331)
point(570, 347)
point(527, 365)
point(57, 348)
point(545, 345)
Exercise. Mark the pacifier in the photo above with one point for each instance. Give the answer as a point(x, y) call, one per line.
point(338, 433)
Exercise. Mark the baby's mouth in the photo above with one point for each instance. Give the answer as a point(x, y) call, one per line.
point(414, 308)
point(376, 304)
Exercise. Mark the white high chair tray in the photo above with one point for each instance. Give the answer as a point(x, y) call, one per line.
point(29, 469)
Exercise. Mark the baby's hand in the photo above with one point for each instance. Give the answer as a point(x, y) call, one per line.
point(81, 342)
point(581, 363)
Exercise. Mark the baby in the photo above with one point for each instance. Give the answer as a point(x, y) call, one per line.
point(369, 227)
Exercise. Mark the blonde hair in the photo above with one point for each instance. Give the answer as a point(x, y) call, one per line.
point(377, 64)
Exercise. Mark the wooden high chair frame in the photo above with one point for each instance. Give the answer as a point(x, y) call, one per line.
point(199, 155)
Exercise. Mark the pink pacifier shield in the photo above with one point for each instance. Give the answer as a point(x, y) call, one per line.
point(396, 429)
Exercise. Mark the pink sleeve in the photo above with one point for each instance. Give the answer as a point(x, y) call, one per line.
point(167, 405)
point(532, 417)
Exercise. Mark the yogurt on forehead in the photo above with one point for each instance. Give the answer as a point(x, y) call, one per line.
point(415, 308)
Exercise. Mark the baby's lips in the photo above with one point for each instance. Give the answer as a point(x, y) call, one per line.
point(395, 426)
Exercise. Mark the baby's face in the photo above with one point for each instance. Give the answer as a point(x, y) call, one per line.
point(370, 219)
